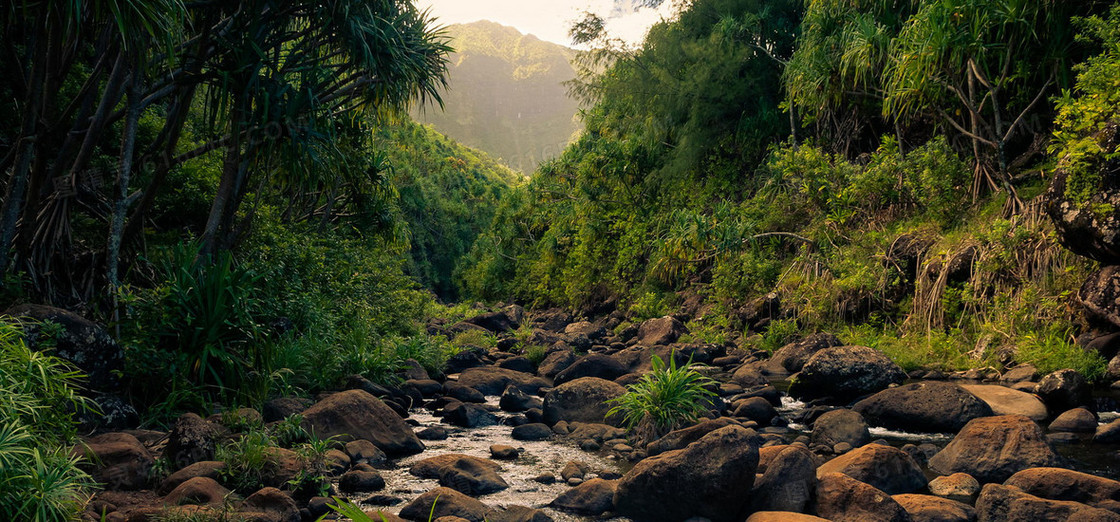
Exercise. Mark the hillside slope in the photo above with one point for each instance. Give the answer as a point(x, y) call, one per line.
point(506, 95)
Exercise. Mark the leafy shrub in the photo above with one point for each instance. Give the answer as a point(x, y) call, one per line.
point(666, 398)
point(536, 353)
point(39, 478)
point(477, 338)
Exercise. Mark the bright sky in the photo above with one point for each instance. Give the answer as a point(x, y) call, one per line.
point(550, 19)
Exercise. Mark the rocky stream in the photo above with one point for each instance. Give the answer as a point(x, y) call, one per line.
point(818, 430)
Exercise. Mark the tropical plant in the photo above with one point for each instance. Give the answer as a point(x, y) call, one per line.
point(666, 398)
point(40, 478)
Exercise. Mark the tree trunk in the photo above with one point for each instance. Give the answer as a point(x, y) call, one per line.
point(124, 174)
point(17, 182)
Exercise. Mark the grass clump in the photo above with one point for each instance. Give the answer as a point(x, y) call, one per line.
point(666, 398)
point(1055, 350)
point(39, 478)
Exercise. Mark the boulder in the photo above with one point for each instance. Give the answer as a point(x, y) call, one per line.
point(206, 468)
point(491, 380)
point(1077, 420)
point(1021, 373)
point(1000, 502)
point(839, 426)
point(1006, 401)
point(841, 498)
point(468, 415)
point(552, 320)
point(792, 357)
point(590, 498)
point(532, 431)
point(932, 406)
point(679, 439)
point(556, 362)
point(925, 508)
point(518, 514)
point(191, 440)
point(582, 400)
point(1100, 293)
point(783, 516)
point(472, 477)
point(355, 414)
point(1108, 434)
point(991, 449)
point(270, 505)
point(281, 408)
point(958, 486)
point(710, 478)
point(1065, 484)
point(503, 452)
point(1064, 390)
point(663, 330)
point(202, 491)
point(117, 460)
point(444, 502)
point(78, 340)
point(432, 467)
point(462, 393)
point(593, 365)
point(518, 364)
point(886, 468)
point(495, 322)
point(755, 408)
point(750, 375)
point(789, 482)
point(358, 480)
point(844, 373)
point(364, 451)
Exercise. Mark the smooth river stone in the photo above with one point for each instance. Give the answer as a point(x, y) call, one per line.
point(1006, 401)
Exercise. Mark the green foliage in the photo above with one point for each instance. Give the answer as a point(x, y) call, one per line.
point(666, 398)
point(248, 458)
point(780, 333)
point(1088, 117)
point(38, 394)
point(536, 353)
point(1053, 349)
point(475, 338)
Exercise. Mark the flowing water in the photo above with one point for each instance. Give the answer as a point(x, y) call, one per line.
point(536, 457)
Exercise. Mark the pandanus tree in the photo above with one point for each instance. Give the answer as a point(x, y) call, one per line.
point(282, 86)
point(983, 68)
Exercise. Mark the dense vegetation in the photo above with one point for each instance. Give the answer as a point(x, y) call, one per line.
point(896, 202)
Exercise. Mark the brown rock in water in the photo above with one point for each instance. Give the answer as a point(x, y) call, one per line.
point(1077, 420)
point(492, 380)
point(592, 497)
point(938, 407)
point(710, 478)
point(446, 502)
point(839, 426)
point(354, 415)
point(582, 400)
point(924, 508)
point(958, 486)
point(1009, 401)
point(991, 449)
point(678, 439)
point(783, 516)
point(432, 467)
point(1065, 484)
point(844, 373)
point(472, 477)
point(999, 502)
point(886, 468)
point(789, 482)
point(1064, 390)
point(841, 498)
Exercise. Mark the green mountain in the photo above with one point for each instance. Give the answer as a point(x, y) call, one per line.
point(506, 95)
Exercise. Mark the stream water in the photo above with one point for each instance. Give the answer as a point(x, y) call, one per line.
point(536, 457)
